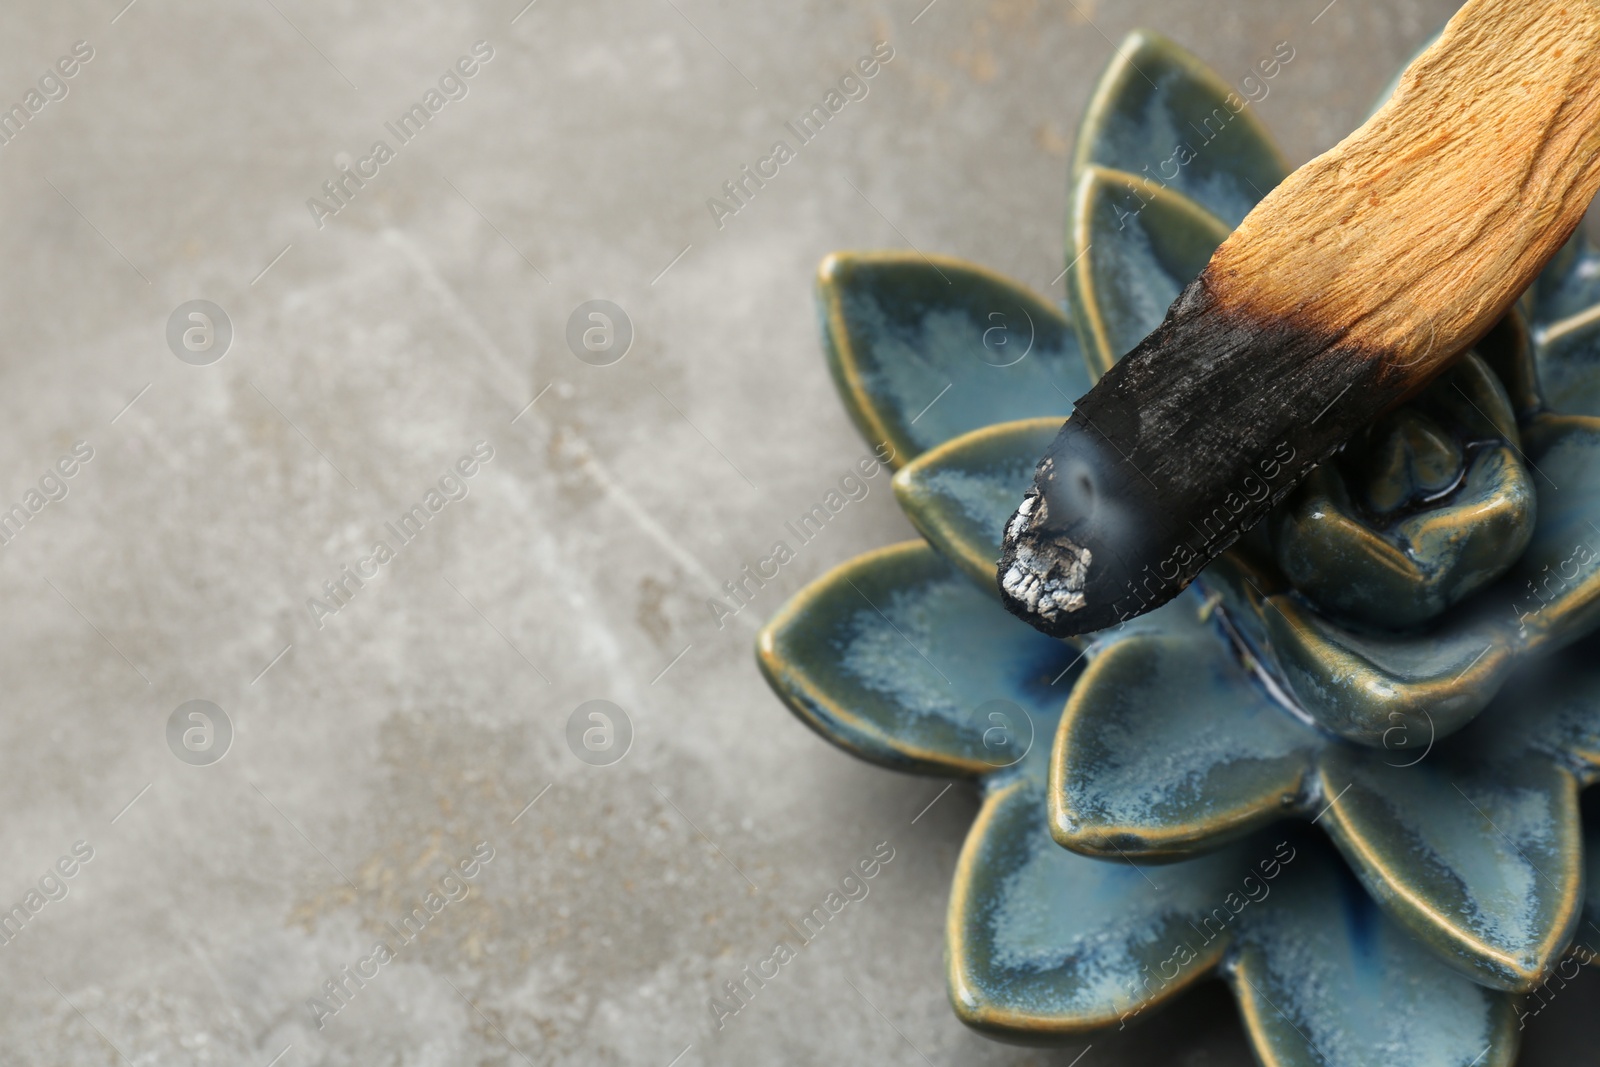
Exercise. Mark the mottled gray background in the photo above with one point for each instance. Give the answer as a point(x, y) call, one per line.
point(423, 717)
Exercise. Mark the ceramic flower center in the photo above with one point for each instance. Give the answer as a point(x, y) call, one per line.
point(1429, 506)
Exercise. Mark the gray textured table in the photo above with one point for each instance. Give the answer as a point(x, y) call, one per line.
point(377, 741)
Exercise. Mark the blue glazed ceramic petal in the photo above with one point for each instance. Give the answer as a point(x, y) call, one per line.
point(1564, 304)
point(1430, 506)
point(1360, 686)
point(960, 494)
point(1161, 114)
point(1481, 860)
point(1407, 572)
point(1551, 708)
point(898, 658)
point(1169, 746)
point(1568, 355)
point(1044, 942)
point(1324, 979)
point(1569, 284)
point(1552, 596)
point(924, 349)
point(1508, 350)
point(1137, 245)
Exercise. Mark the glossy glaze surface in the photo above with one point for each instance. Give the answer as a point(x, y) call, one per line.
point(1364, 666)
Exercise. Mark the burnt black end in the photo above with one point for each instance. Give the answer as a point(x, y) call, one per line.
point(1188, 441)
point(1075, 551)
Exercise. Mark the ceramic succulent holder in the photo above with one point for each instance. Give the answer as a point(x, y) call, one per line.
point(1343, 770)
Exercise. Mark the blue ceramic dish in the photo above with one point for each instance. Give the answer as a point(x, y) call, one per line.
point(1355, 748)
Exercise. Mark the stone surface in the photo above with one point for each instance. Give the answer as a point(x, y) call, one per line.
point(375, 746)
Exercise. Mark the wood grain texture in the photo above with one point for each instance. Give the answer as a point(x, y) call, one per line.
point(1415, 233)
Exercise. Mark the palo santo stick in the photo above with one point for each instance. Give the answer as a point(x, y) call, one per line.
point(1351, 286)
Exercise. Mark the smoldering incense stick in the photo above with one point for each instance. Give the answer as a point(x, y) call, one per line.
point(1346, 290)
